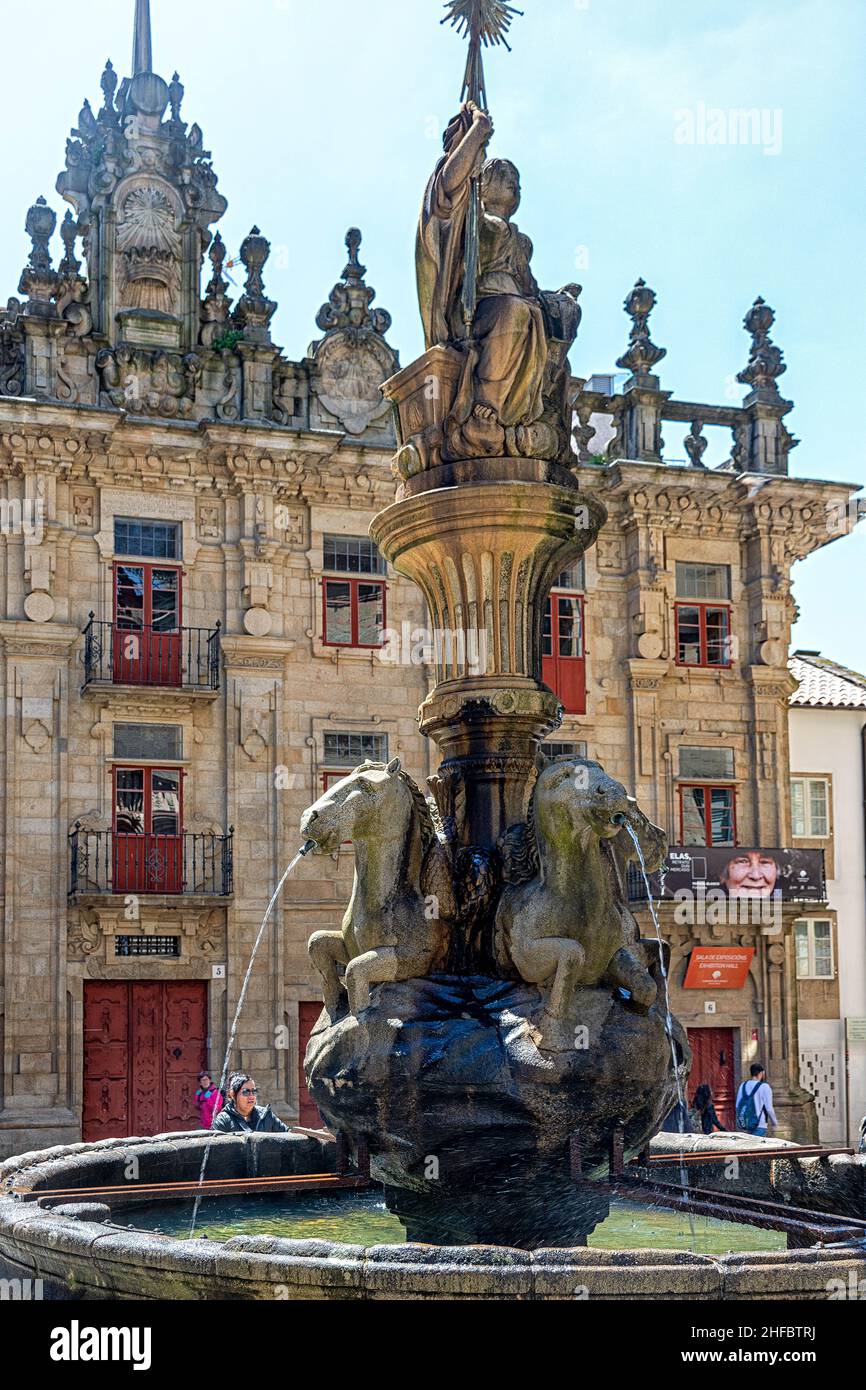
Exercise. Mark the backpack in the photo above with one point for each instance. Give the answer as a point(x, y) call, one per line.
point(747, 1111)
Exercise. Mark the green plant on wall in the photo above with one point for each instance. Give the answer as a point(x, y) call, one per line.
point(228, 341)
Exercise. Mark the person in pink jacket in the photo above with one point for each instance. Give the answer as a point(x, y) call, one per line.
point(208, 1100)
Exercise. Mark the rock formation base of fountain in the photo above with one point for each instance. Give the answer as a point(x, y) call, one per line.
point(475, 1124)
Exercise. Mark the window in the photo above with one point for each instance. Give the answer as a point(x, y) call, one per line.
point(147, 946)
point(147, 644)
point(707, 815)
point(354, 609)
point(573, 578)
point(703, 581)
point(814, 943)
point(354, 613)
point(148, 830)
point(703, 628)
point(150, 540)
point(564, 750)
point(703, 635)
point(563, 661)
point(352, 555)
point(343, 752)
point(706, 764)
point(810, 807)
point(149, 742)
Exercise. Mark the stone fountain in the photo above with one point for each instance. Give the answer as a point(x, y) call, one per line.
point(494, 1024)
point(495, 1032)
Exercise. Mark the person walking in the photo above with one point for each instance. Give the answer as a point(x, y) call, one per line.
point(862, 1148)
point(208, 1100)
point(705, 1118)
point(241, 1114)
point(755, 1103)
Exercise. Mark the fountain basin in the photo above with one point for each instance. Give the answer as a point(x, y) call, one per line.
point(79, 1257)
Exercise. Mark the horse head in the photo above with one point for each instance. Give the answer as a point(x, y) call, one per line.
point(377, 800)
point(573, 794)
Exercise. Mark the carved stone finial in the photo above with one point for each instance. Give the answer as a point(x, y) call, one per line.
point(696, 444)
point(40, 225)
point(766, 361)
point(215, 308)
point(39, 281)
point(175, 95)
point(87, 122)
point(70, 265)
point(348, 306)
point(254, 310)
point(108, 84)
point(642, 354)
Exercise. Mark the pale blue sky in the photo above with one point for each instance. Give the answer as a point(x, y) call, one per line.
point(328, 113)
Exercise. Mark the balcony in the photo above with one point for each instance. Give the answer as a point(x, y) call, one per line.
point(103, 862)
point(186, 660)
point(797, 875)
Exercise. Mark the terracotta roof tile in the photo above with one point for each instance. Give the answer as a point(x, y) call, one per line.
point(825, 684)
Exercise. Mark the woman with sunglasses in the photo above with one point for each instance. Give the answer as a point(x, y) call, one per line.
point(241, 1114)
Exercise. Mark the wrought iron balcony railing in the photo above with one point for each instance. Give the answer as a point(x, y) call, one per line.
point(187, 659)
point(104, 861)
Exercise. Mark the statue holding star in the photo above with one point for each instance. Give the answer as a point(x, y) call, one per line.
point(477, 293)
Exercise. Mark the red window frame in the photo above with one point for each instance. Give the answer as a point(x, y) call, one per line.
point(144, 862)
point(157, 658)
point(353, 582)
point(702, 610)
point(566, 675)
point(707, 788)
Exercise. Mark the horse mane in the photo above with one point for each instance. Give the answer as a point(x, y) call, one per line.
point(518, 849)
point(429, 835)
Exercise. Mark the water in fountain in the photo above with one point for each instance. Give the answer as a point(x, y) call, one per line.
point(308, 847)
point(669, 1023)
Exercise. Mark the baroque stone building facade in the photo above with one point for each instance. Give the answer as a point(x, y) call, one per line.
point(191, 637)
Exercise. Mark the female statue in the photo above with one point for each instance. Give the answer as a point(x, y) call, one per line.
point(512, 394)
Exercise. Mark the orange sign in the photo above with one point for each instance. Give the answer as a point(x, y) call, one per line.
point(718, 967)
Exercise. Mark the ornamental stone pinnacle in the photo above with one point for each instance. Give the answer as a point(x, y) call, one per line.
point(349, 302)
point(642, 354)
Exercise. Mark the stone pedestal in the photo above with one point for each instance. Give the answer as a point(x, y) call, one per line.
point(485, 539)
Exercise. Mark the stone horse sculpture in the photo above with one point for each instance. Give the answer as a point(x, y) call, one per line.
point(568, 924)
point(391, 930)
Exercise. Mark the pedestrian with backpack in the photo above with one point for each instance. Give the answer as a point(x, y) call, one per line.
point(755, 1103)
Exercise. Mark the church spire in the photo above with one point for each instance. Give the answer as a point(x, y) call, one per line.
point(142, 49)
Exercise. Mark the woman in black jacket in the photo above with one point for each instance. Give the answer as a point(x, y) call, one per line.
point(705, 1111)
point(241, 1115)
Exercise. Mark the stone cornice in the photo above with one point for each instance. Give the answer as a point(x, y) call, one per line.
point(772, 682)
point(256, 653)
point(796, 516)
point(625, 474)
point(38, 639)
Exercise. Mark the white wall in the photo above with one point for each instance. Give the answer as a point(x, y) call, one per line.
point(828, 741)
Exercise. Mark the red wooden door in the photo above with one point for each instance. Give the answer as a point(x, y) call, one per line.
point(185, 1050)
point(148, 642)
point(148, 830)
point(106, 1060)
point(308, 1017)
point(713, 1065)
point(144, 1045)
point(563, 664)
